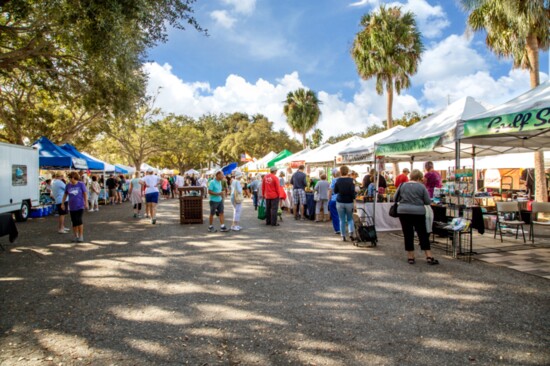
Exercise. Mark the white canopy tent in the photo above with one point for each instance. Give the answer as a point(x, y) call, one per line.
point(522, 123)
point(434, 137)
point(361, 151)
point(294, 157)
point(129, 169)
point(311, 153)
point(144, 167)
point(329, 154)
point(259, 164)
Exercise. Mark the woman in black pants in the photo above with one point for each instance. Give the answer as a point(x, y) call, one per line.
point(412, 196)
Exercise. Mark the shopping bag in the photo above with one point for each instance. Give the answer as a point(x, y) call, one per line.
point(261, 210)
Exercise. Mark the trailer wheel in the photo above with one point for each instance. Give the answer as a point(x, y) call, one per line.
point(23, 213)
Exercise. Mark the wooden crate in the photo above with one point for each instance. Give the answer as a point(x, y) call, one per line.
point(191, 210)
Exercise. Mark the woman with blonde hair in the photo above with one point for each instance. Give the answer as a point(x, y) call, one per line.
point(136, 194)
point(411, 197)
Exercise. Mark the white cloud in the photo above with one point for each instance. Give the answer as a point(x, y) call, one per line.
point(242, 6)
point(480, 85)
point(239, 95)
point(338, 114)
point(431, 19)
point(223, 18)
point(452, 56)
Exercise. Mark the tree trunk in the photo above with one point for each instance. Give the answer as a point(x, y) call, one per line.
point(541, 191)
point(304, 140)
point(389, 107)
point(389, 122)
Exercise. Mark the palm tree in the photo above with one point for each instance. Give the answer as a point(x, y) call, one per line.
point(516, 29)
point(302, 111)
point(388, 48)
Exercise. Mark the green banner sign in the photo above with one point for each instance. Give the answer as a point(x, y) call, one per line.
point(408, 147)
point(535, 119)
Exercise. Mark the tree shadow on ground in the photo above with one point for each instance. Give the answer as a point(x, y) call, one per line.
point(172, 294)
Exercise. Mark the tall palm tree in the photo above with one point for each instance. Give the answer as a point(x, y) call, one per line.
point(516, 29)
point(388, 48)
point(302, 112)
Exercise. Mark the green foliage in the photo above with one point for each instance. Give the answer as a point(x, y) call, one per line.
point(81, 57)
point(509, 24)
point(342, 137)
point(301, 109)
point(388, 48)
point(372, 130)
point(316, 138)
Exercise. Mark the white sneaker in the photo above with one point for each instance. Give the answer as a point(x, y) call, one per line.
point(66, 229)
point(62, 232)
point(97, 209)
point(239, 228)
point(90, 210)
point(235, 228)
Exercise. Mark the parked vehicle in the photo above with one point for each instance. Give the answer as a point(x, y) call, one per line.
point(19, 180)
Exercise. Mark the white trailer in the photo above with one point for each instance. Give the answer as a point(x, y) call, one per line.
point(19, 180)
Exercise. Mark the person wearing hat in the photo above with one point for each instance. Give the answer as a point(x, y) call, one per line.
point(216, 202)
point(402, 178)
point(270, 191)
point(237, 199)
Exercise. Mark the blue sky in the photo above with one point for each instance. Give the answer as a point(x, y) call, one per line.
point(259, 50)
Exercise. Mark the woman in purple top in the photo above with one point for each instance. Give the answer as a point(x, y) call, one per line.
point(432, 179)
point(78, 202)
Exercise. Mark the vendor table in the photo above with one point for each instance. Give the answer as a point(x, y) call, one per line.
point(382, 221)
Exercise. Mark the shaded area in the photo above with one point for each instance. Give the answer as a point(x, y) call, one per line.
point(172, 294)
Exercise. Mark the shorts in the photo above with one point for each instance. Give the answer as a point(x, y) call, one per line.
point(76, 217)
point(299, 196)
point(216, 207)
point(112, 192)
point(60, 211)
point(166, 192)
point(152, 197)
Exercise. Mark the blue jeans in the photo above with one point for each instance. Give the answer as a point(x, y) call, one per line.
point(334, 215)
point(255, 199)
point(345, 212)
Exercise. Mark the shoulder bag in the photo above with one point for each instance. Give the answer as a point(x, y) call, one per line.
point(393, 208)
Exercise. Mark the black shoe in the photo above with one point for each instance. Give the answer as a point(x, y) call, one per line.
point(337, 232)
point(344, 238)
point(276, 224)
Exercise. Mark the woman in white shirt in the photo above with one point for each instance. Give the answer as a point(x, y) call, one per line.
point(151, 182)
point(237, 200)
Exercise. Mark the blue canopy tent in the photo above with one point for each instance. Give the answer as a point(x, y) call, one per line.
point(51, 156)
point(110, 168)
point(92, 163)
point(228, 169)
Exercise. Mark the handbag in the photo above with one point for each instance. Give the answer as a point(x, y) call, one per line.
point(261, 210)
point(393, 208)
point(238, 197)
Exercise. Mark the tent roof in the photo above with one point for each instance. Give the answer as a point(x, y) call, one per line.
point(280, 156)
point(363, 151)
point(145, 166)
point(107, 167)
point(310, 154)
point(329, 153)
point(520, 123)
point(293, 157)
point(52, 156)
point(432, 137)
point(128, 169)
point(92, 164)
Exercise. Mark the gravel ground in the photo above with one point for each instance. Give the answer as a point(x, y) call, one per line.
point(172, 294)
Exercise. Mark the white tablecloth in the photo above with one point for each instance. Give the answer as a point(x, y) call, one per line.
point(383, 221)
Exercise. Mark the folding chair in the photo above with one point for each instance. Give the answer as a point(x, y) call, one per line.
point(508, 209)
point(536, 208)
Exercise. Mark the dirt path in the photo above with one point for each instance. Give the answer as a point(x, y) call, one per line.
point(138, 294)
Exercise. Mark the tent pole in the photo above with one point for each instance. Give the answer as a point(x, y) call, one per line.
point(474, 169)
point(457, 154)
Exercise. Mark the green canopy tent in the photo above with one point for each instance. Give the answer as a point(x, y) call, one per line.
point(280, 156)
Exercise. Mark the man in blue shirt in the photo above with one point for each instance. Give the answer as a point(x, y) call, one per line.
point(216, 202)
point(299, 184)
point(332, 203)
point(255, 187)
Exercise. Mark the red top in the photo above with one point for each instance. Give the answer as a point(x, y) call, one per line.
point(270, 187)
point(401, 178)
